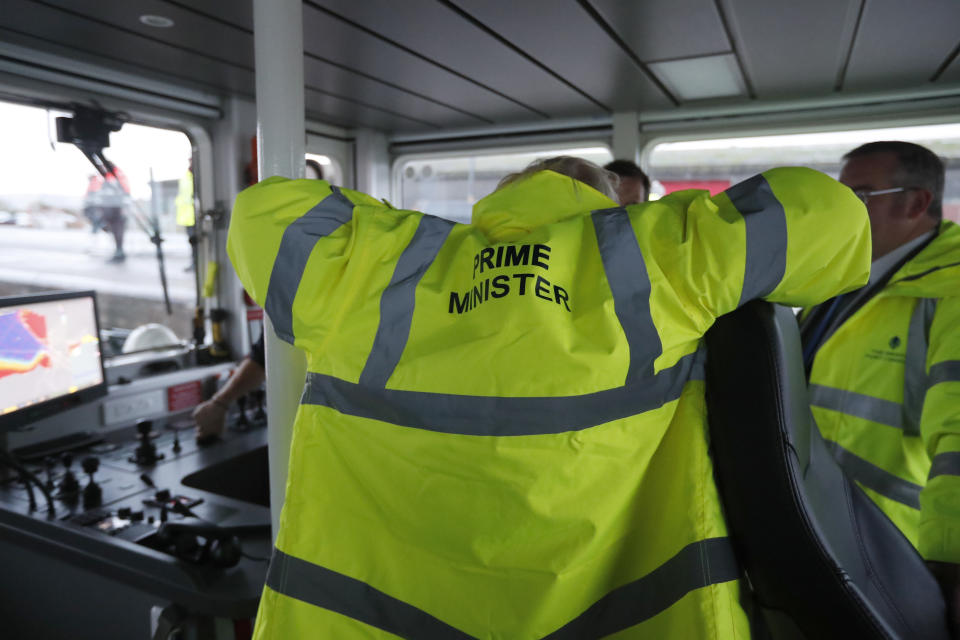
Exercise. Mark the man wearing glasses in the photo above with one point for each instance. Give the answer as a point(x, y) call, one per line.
point(883, 361)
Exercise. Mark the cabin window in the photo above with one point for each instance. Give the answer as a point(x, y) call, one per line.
point(448, 186)
point(715, 164)
point(57, 223)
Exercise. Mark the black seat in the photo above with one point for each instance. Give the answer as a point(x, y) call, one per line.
point(821, 560)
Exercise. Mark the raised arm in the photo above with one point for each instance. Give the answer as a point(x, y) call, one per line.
point(791, 235)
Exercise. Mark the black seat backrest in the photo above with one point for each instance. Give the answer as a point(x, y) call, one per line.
point(821, 559)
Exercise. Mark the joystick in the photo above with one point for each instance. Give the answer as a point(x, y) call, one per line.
point(260, 416)
point(50, 464)
point(176, 442)
point(92, 493)
point(146, 452)
point(242, 423)
point(69, 486)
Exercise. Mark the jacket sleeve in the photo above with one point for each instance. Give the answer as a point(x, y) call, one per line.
point(939, 536)
point(298, 247)
point(792, 235)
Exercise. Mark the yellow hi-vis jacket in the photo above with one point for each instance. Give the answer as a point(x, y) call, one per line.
point(502, 433)
point(885, 390)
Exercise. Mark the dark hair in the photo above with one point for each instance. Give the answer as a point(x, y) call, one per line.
point(627, 169)
point(918, 167)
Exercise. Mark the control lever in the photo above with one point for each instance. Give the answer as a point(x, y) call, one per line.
point(176, 442)
point(242, 423)
point(146, 452)
point(69, 486)
point(260, 416)
point(50, 464)
point(92, 493)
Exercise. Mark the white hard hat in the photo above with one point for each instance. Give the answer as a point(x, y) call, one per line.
point(149, 336)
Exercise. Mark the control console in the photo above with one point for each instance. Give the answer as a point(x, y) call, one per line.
point(144, 508)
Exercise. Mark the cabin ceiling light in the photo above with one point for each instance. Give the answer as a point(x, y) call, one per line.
point(699, 78)
point(161, 22)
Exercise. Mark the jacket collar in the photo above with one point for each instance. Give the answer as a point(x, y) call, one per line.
point(935, 271)
point(543, 198)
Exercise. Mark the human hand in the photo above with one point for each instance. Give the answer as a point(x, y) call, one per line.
point(948, 575)
point(210, 417)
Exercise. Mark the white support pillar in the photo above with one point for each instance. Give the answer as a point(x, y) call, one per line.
point(373, 163)
point(626, 136)
point(231, 149)
point(278, 49)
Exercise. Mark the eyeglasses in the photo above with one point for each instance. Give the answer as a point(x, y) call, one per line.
point(865, 195)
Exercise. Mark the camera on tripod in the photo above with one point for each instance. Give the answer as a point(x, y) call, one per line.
point(88, 128)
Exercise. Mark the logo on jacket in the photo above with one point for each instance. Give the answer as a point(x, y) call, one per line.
point(894, 342)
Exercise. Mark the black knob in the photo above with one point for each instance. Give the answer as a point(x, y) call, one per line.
point(144, 427)
point(124, 512)
point(146, 453)
point(92, 494)
point(69, 486)
point(163, 495)
point(90, 465)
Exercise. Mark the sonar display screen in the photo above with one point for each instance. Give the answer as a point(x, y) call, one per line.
point(48, 349)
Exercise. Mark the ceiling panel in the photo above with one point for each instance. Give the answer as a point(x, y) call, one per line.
point(441, 35)
point(333, 40)
point(902, 43)
point(564, 38)
point(422, 65)
point(666, 29)
point(195, 32)
point(342, 83)
point(88, 35)
point(236, 12)
point(775, 39)
point(344, 113)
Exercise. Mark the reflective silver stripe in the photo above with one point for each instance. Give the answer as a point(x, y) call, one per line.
point(498, 416)
point(697, 565)
point(627, 275)
point(876, 478)
point(347, 596)
point(915, 364)
point(397, 301)
point(298, 241)
point(766, 229)
point(945, 371)
point(945, 464)
point(857, 404)
point(699, 369)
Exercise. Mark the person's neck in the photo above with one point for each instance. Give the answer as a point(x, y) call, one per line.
point(880, 266)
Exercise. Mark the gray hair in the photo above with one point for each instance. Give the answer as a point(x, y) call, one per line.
point(577, 168)
point(917, 167)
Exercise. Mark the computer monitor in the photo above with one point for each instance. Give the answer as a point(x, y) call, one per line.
point(49, 355)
